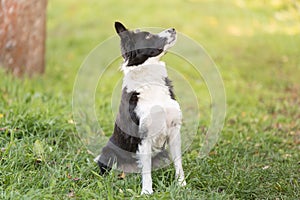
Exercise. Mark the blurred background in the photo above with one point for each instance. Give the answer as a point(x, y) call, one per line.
point(255, 45)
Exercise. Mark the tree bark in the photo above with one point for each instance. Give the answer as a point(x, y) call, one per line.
point(22, 36)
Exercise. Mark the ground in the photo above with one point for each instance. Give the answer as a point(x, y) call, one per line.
point(255, 45)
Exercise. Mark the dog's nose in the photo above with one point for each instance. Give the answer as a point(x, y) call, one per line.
point(172, 30)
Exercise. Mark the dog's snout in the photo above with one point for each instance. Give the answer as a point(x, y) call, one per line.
point(172, 30)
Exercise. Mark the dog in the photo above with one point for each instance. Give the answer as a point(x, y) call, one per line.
point(147, 127)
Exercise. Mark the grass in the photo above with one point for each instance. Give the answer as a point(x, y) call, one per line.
point(254, 44)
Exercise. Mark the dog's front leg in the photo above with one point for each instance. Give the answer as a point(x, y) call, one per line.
point(175, 151)
point(144, 155)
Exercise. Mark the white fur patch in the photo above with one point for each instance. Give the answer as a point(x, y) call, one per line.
point(155, 108)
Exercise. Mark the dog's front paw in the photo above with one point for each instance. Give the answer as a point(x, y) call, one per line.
point(182, 183)
point(146, 191)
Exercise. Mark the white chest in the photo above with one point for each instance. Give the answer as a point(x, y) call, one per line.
point(150, 82)
point(156, 109)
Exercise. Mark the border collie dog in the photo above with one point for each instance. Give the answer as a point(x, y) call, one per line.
point(147, 127)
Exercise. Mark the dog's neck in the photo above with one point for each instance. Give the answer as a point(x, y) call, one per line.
point(149, 61)
point(153, 71)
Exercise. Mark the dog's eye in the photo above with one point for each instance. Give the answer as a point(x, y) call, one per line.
point(148, 36)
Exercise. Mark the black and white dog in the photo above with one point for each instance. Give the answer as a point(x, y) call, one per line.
point(149, 117)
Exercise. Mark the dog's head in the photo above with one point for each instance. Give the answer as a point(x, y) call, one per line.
point(138, 46)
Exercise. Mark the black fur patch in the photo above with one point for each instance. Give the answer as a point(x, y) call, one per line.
point(137, 47)
point(126, 133)
point(139, 56)
point(168, 83)
point(123, 144)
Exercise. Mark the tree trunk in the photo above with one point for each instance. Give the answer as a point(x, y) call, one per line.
point(22, 36)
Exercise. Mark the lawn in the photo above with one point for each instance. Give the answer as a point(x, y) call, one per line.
point(254, 44)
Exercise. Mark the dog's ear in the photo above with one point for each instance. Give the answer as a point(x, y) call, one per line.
point(119, 27)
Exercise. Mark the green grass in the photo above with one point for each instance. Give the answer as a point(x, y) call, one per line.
point(254, 44)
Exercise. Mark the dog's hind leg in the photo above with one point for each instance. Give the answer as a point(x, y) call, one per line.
point(106, 159)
